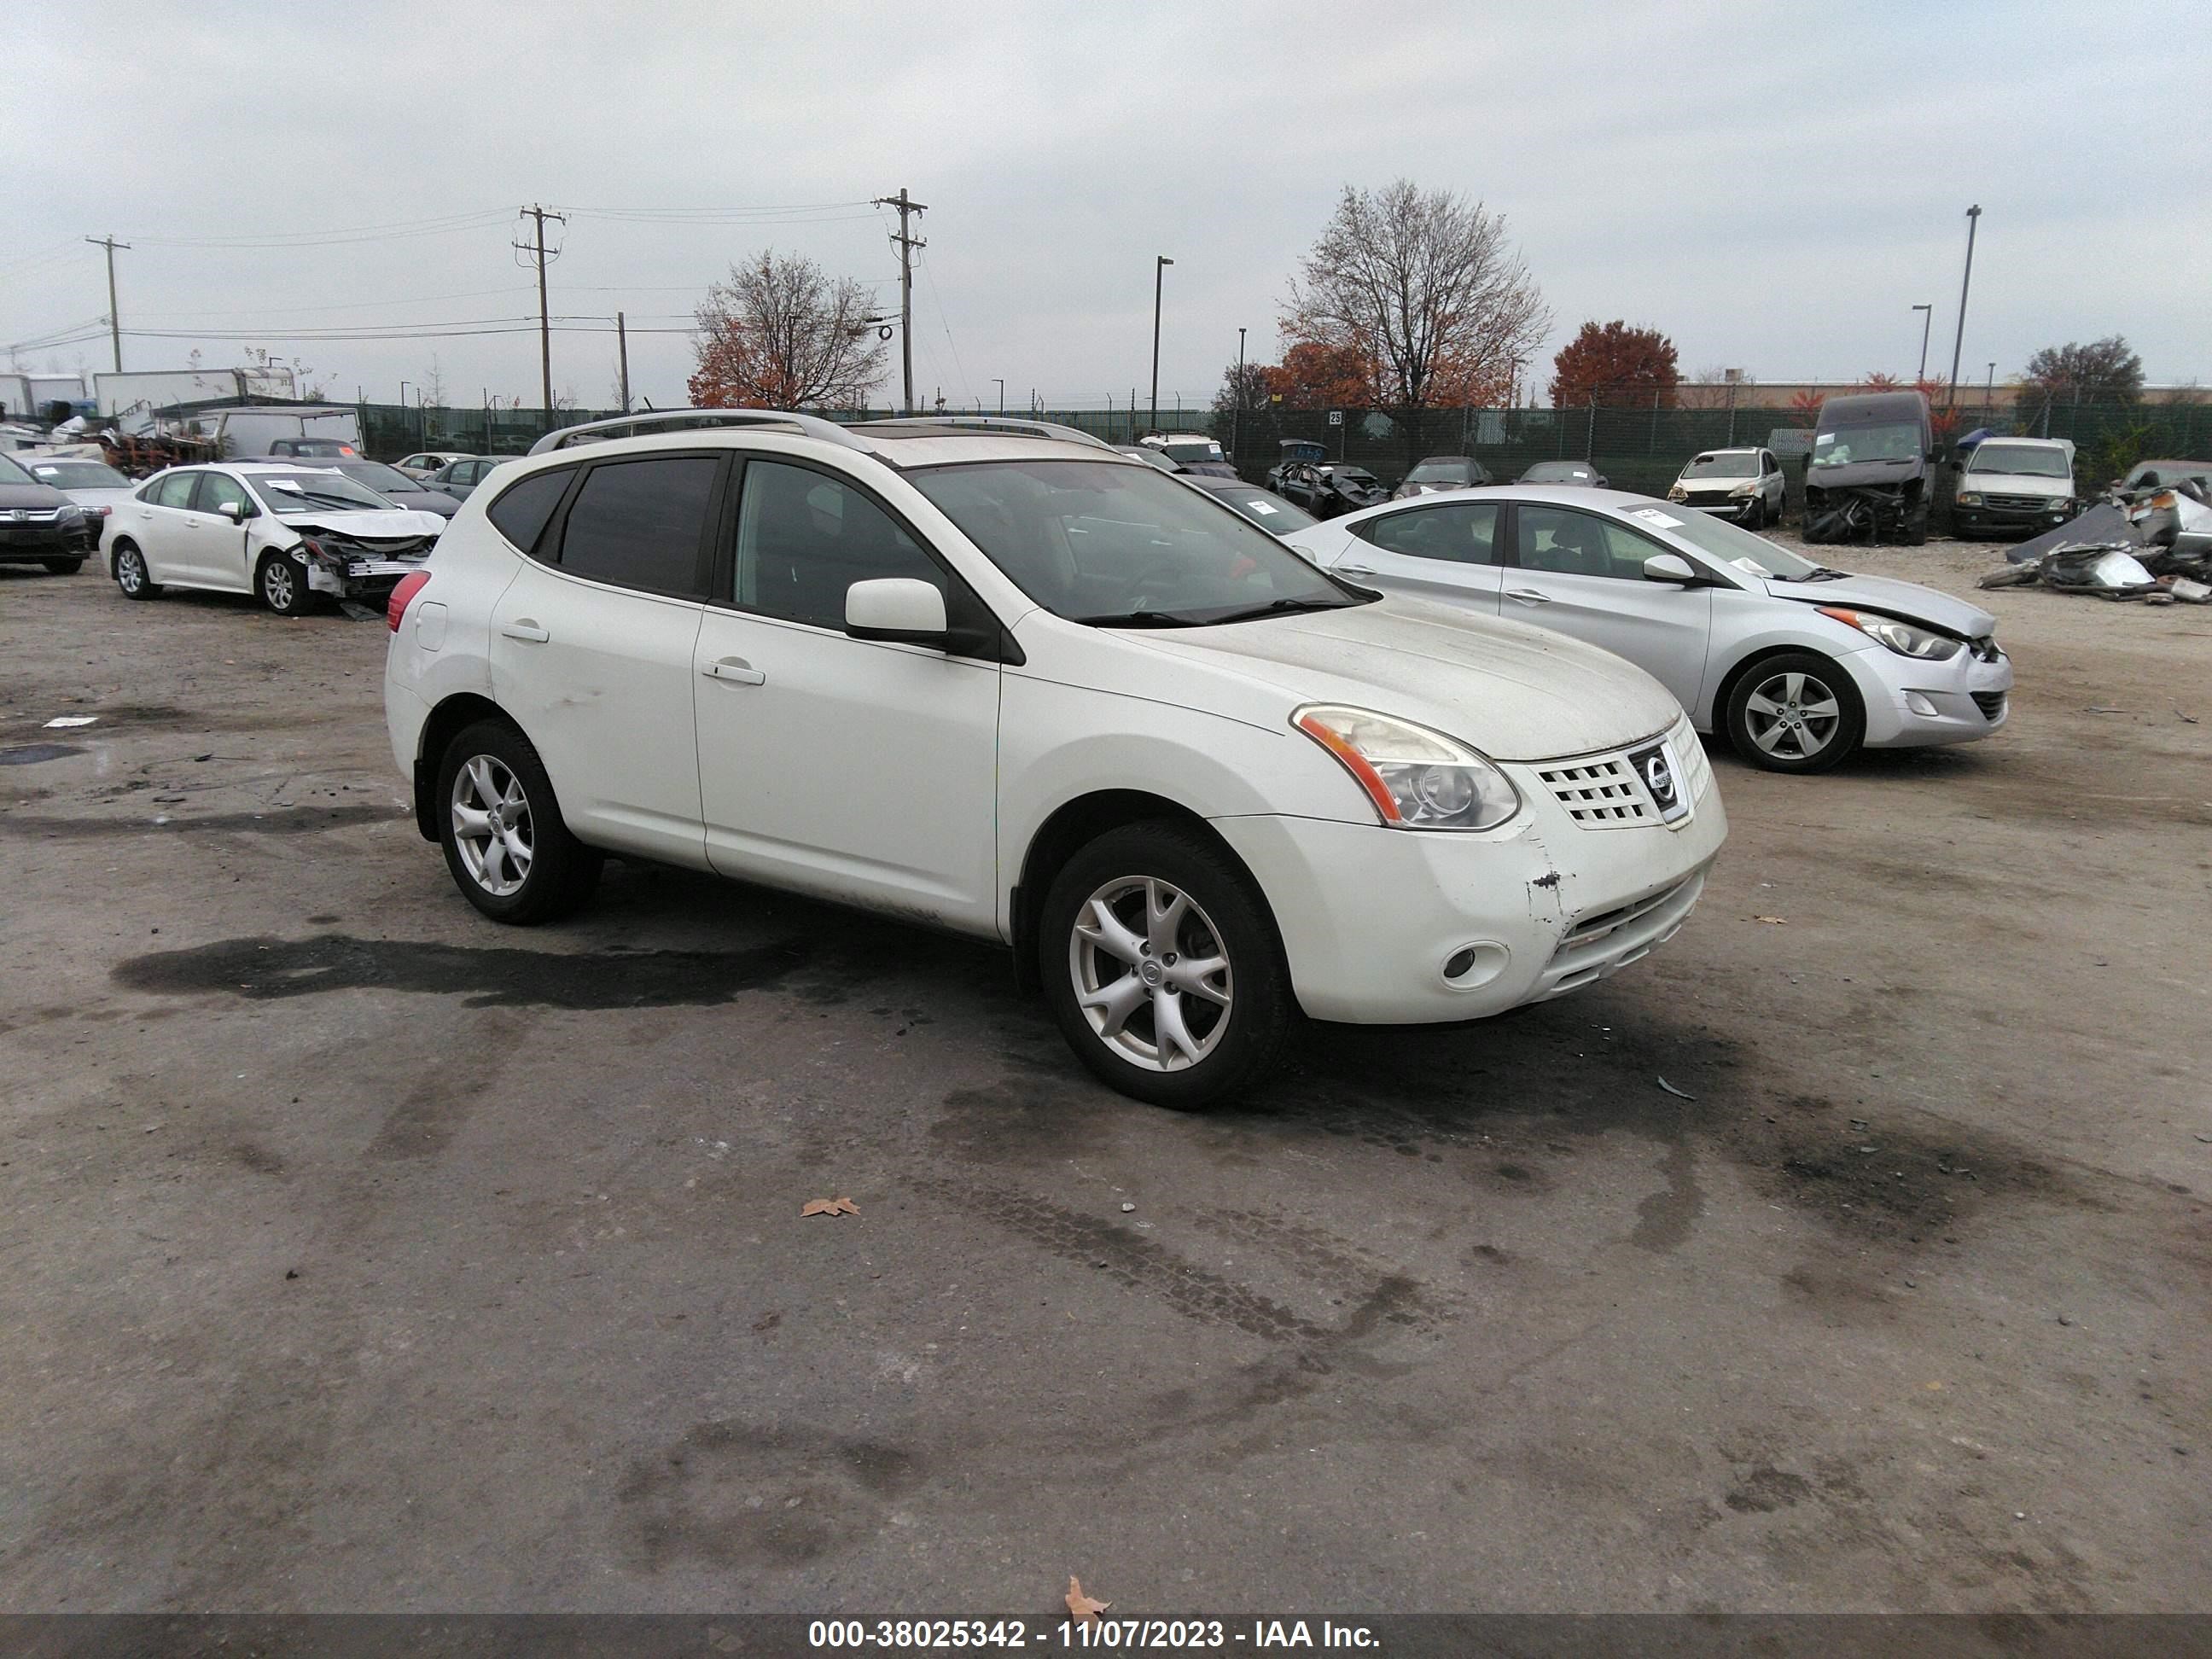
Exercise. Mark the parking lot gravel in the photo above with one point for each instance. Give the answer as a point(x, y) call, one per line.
point(357, 1253)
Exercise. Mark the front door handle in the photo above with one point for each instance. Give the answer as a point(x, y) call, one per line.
point(1355, 570)
point(524, 629)
point(734, 668)
point(1528, 595)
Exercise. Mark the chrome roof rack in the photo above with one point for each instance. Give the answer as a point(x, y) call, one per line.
point(646, 423)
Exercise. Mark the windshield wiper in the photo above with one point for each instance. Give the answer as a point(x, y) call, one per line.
point(1286, 607)
point(1139, 619)
point(336, 501)
point(1821, 573)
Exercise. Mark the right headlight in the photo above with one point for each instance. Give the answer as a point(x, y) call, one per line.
point(1418, 779)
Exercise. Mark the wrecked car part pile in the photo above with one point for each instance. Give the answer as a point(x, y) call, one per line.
point(2160, 549)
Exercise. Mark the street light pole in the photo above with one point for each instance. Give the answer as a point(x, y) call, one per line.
point(1927, 318)
point(1958, 343)
point(1001, 380)
point(1237, 400)
point(1160, 263)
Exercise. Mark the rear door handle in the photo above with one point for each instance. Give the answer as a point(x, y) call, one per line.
point(1355, 570)
point(734, 668)
point(1528, 595)
point(524, 629)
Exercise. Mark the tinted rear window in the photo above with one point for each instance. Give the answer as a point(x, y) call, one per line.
point(520, 513)
point(641, 524)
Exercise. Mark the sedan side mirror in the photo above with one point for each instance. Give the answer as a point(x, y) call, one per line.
point(895, 608)
point(236, 512)
point(1669, 568)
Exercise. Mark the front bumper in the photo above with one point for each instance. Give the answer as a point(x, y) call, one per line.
point(1372, 918)
point(2023, 521)
point(359, 578)
point(1910, 703)
point(1726, 509)
point(33, 540)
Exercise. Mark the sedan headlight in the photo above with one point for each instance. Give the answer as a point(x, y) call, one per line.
point(1969, 498)
point(1901, 637)
point(1678, 493)
point(1418, 779)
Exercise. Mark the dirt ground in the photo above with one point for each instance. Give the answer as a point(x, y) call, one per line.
point(357, 1254)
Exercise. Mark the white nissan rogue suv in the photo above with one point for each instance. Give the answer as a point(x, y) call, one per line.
point(1000, 680)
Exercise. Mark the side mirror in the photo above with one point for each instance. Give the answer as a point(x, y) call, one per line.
point(1669, 568)
point(896, 608)
point(236, 512)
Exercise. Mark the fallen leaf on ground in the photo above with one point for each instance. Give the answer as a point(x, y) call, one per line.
point(1679, 1094)
point(1081, 1605)
point(830, 1206)
point(1779, 922)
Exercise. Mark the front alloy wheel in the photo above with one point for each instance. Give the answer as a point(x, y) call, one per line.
point(1163, 965)
point(1795, 713)
point(1151, 974)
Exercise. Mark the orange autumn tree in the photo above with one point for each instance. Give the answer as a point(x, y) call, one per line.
point(1615, 363)
point(1316, 376)
point(781, 334)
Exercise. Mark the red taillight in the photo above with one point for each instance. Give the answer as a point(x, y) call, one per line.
point(395, 610)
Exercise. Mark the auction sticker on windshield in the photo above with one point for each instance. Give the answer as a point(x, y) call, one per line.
point(1653, 515)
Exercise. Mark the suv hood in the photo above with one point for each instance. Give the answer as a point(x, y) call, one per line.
point(32, 497)
point(1517, 693)
point(1907, 601)
point(2016, 484)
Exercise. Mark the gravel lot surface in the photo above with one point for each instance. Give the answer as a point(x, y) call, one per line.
point(357, 1253)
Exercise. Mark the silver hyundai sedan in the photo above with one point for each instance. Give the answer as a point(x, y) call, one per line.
point(1798, 663)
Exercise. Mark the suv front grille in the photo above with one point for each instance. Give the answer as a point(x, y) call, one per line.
point(1598, 792)
point(1992, 703)
point(2019, 503)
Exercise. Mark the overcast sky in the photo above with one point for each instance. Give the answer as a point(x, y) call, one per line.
point(1773, 188)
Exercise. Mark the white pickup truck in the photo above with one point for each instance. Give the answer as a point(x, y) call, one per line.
point(2014, 487)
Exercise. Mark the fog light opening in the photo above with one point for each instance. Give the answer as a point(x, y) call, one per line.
point(1472, 966)
point(1919, 705)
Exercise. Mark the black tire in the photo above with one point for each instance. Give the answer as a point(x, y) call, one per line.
point(1226, 915)
point(561, 870)
point(65, 567)
point(281, 583)
point(128, 566)
point(1756, 518)
point(1822, 680)
point(1915, 529)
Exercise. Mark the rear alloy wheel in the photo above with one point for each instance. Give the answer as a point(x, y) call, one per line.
point(283, 585)
point(131, 574)
point(508, 849)
point(1795, 713)
point(1162, 967)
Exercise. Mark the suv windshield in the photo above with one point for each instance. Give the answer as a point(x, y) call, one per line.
point(80, 475)
point(1106, 542)
point(303, 492)
point(1754, 556)
point(1848, 446)
point(2022, 460)
point(1193, 450)
point(1742, 464)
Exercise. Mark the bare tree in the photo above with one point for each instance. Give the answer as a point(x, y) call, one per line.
point(1709, 388)
point(782, 334)
point(1428, 287)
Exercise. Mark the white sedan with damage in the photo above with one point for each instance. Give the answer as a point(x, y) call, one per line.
point(282, 530)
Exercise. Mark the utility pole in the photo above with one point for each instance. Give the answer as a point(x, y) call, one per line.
point(1160, 263)
point(536, 248)
point(1973, 219)
point(1001, 380)
point(907, 244)
point(114, 322)
point(622, 346)
point(1926, 318)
